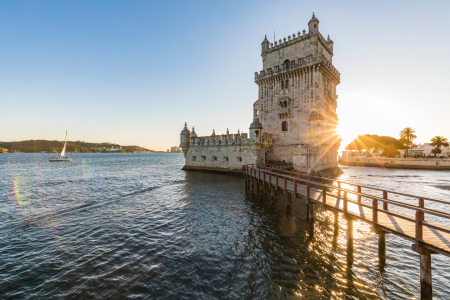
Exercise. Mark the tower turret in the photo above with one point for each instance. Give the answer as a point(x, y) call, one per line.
point(185, 136)
point(256, 130)
point(265, 45)
point(193, 134)
point(330, 44)
point(313, 25)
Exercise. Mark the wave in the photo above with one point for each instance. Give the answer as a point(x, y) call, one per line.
point(82, 207)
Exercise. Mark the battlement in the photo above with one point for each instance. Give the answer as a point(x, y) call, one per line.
point(218, 140)
point(299, 38)
point(294, 65)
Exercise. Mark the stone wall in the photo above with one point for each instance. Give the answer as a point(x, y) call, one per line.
point(399, 163)
point(229, 158)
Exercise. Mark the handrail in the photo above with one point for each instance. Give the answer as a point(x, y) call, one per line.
point(368, 187)
point(373, 197)
point(418, 219)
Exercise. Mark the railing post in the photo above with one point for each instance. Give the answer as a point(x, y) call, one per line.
point(270, 177)
point(339, 191)
point(374, 211)
point(308, 191)
point(345, 202)
point(420, 216)
point(359, 191)
point(295, 187)
point(421, 203)
point(277, 180)
point(385, 204)
point(324, 196)
point(285, 184)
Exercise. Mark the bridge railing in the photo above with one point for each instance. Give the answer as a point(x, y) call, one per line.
point(323, 184)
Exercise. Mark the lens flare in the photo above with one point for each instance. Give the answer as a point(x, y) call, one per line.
point(92, 172)
point(22, 190)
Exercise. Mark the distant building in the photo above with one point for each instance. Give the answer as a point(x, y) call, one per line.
point(113, 149)
point(168, 151)
point(426, 149)
point(175, 150)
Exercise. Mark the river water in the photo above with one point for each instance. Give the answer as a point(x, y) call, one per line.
point(116, 226)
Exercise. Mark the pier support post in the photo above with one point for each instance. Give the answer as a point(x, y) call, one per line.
point(288, 203)
point(252, 184)
point(272, 194)
point(310, 209)
point(349, 241)
point(336, 223)
point(276, 194)
point(426, 292)
point(381, 250)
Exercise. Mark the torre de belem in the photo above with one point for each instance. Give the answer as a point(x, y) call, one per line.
point(294, 118)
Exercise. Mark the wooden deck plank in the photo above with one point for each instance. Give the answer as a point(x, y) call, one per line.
point(405, 228)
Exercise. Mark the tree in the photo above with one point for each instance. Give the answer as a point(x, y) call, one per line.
point(388, 144)
point(407, 136)
point(438, 142)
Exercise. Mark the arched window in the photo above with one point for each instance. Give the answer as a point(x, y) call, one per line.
point(284, 126)
point(282, 85)
point(287, 84)
point(287, 63)
point(285, 104)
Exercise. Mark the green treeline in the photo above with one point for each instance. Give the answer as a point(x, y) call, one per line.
point(33, 146)
point(388, 145)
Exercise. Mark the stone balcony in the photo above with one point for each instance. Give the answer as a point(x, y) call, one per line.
point(297, 65)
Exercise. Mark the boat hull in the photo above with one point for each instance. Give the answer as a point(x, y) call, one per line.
point(60, 159)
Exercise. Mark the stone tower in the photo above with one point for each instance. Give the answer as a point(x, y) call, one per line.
point(297, 99)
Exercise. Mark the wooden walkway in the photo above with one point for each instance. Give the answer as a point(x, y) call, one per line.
point(428, 237)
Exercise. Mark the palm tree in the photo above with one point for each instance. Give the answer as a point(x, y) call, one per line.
point(407, 136)
point(438, 142)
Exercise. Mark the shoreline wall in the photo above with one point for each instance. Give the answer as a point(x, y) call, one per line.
point(397, 163)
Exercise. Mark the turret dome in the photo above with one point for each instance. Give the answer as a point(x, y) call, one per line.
point(313, 25)
point(256, 124)
point(193, 134)
point(313, 19)
point(185, 130)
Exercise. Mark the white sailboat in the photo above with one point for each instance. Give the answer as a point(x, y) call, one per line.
point(62, 157)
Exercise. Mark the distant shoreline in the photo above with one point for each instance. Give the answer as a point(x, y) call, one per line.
point(398, 163)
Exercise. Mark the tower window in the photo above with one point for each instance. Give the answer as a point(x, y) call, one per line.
point(284, 126)
point(315, 25)
point(285, 104)
point(287, 84)
point(282, 85)
point(287, 63)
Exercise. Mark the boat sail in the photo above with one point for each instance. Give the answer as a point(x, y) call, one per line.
point(62, 157)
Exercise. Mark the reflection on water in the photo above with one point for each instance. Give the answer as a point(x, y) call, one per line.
point(111, 226)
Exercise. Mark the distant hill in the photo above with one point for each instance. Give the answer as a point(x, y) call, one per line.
point(34, 146)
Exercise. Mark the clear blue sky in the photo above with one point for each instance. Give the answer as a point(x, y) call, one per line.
point(132, 72)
